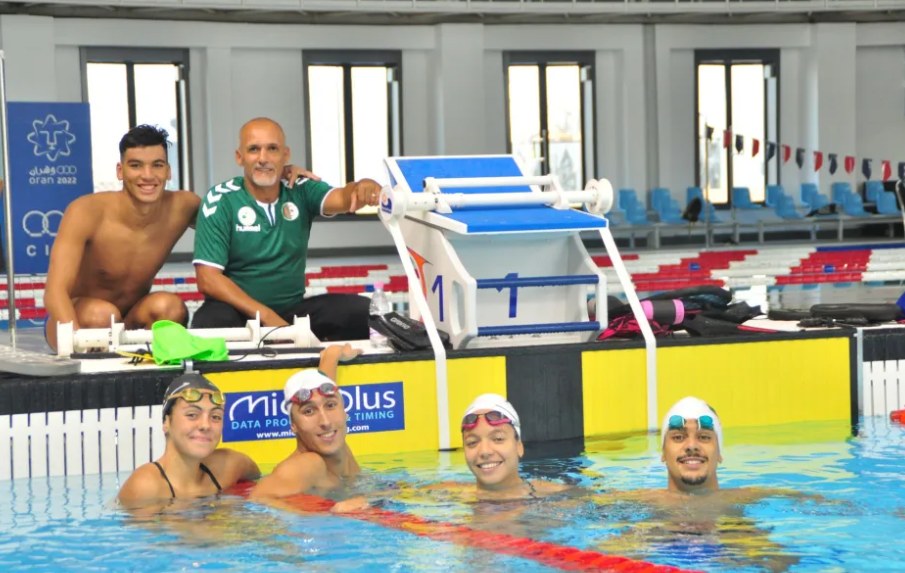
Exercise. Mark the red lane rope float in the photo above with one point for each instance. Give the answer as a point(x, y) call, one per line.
point(549, 554)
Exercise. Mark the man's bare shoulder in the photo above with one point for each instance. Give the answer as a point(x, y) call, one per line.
point(85, 214)
point(307, 462)
point(298, 473)
point(181, 200)
point(182, 197)
point(92, 204)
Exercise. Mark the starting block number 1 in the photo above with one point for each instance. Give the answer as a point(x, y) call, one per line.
point(438, 288)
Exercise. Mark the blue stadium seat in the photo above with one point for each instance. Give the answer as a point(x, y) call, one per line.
point(853, 205)
point(774, 194)
point(785, 208)
point(693, 192)
point(634, 212)
point(811, 196)
point(873, 190)
point(840, 192)
point(659, 198)
point(626, 198)
point(886, 203)
point(741, 199)
point(666, 207)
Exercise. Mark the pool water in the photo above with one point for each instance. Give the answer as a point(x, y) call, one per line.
point(71, 524)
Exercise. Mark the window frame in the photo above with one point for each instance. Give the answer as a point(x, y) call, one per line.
point(132, 56)
point(542, 59)
point(348, 59)
point(727, 57)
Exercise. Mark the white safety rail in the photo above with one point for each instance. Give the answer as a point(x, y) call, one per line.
point(79, 442)
point(650, 343)
point(440, 371)
point(882, 387)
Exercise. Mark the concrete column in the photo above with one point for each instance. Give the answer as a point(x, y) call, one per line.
point(221, 134)
point(460, 78)
point(833, 55)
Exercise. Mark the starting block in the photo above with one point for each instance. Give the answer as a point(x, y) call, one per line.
point(494, 258)
point(116, 337)
point(497, 254)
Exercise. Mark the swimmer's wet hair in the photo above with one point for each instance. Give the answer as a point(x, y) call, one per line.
point(144, 136)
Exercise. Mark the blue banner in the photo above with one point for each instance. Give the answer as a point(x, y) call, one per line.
point(252, 416)
point(50, 167)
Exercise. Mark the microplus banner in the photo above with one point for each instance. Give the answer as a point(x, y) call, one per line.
point(252, 416)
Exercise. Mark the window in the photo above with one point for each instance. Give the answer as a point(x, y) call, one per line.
point(736, 91)
point(550, 114)
point(353, 115)
point(126, 88)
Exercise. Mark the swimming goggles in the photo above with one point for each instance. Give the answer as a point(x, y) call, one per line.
point(304, 395)
point(193, 395)
point(493, 418)
point(678, 423)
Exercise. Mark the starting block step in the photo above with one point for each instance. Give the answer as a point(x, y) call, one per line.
point(516, 282)
point(27, 363)
point(554, 327)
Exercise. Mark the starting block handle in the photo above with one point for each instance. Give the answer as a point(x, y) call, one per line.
point(565, 280)
point(470, 182)
point(597, 197)
point(550, 328)
point(431, 202)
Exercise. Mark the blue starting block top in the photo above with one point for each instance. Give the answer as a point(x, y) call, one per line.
point(415, 170)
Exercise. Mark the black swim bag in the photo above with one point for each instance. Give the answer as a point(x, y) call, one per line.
point(405, 334)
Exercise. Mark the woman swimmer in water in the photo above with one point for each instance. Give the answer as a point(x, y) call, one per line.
point(492, 443)
point(191, 465)
point(491, 437)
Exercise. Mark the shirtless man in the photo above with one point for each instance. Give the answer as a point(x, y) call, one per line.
point(693, 514)
point(110, 246)
point(322, 460)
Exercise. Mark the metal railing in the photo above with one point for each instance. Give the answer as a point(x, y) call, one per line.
point(523, 7)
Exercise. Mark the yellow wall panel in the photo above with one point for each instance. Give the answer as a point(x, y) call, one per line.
point(614, 384)
point(469, 378)
point(760, 383)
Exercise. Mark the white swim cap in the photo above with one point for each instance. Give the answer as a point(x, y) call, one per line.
point(691, 408)
point(310, 379)
point(498, 403)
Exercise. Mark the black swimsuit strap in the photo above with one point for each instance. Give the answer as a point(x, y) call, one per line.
point(164, 474)
point(204, 468)
point(533, 492)
point(207, 470)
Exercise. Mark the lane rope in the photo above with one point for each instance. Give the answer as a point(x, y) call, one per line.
point(549, 554)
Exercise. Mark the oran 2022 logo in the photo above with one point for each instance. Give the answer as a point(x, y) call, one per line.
point(51, 137)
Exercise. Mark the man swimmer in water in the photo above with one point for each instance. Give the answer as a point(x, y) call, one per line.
point(110, 246)
point(322, 461)
point(693, 511)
